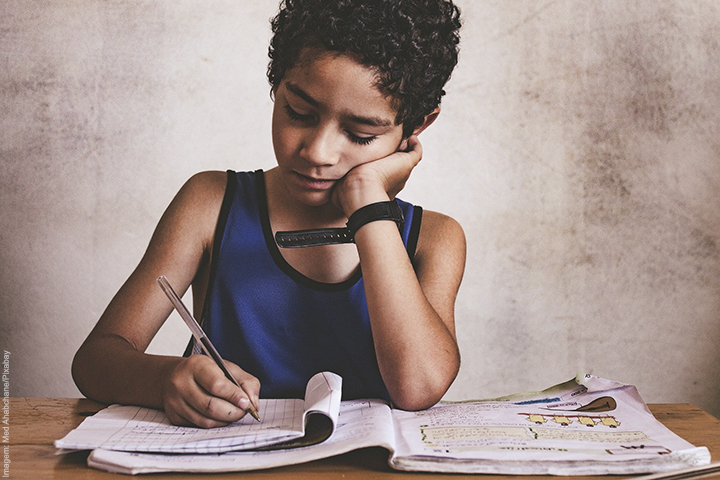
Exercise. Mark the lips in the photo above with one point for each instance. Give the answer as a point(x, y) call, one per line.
point(314, 183)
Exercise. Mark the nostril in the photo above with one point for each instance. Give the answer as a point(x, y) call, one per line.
point(320, 147)
point(319, 157)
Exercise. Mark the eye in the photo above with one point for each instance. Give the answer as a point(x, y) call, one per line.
point(360, 140)
point(295, 116)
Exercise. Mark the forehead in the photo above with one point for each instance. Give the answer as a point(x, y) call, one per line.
point(339, 80)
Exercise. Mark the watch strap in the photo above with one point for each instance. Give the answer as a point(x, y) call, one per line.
point(313, 238)
point(389, 210)
point(375, 211)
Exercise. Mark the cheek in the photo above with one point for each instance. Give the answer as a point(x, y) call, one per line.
point(381, 149)
point(375, 151)
point(283, 141)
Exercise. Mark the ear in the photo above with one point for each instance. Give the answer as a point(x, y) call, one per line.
point(429, 119)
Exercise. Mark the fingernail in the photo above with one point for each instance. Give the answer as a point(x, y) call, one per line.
point(244, 403)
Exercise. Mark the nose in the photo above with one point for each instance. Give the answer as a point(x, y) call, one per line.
point(320, 147)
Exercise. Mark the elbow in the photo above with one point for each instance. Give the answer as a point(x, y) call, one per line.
point(88, 375)
point(419, 397)
point(94, 363)
point(414, 394)
point(79, 372)
point(415, 404)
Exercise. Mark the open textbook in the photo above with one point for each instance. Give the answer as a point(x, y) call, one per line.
point(585, 426)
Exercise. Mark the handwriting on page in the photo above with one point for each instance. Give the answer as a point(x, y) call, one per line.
point(150, 429)
point(450, 434)
point(147, 430)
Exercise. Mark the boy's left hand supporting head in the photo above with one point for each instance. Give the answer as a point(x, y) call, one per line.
point(379, 180)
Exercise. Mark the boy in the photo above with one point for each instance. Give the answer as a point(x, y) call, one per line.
point(354, 82)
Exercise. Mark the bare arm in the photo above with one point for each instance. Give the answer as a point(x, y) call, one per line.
point(411, 309)
point(111, 365)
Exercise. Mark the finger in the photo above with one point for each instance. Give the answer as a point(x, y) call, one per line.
point(242, 395)
point(215, 396)
point(203, 404)
point(414, 147)
point(192, 417)
point(173, 410)
point(403, 164)
point(412, 141)
point(180, 412)
point(249, 384)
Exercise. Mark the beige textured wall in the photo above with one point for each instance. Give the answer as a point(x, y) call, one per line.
point(578, 146)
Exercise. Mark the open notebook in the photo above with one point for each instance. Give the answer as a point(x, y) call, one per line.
point(585, 426)
point(283, 423)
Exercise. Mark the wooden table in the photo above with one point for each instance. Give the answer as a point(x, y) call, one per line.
point(36, 422)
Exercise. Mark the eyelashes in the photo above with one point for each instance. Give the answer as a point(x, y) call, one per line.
point(298, 117)
point(302, 118)
point(360, 140)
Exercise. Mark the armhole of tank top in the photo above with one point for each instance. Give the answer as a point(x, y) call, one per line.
point(414, 233)
point(217, 241)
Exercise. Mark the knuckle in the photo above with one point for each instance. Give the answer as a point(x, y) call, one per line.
point(216, 385)
point(205, 422)
point(251, 383)
point(174, 419)
point(195, 361)
point(175, 386)
point(237, 396)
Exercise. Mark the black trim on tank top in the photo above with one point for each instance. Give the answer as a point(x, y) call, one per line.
point(292, 272)
point(277, 256)
point(272, 246)
point(414, 232)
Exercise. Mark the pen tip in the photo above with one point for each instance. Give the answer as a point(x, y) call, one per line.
point(254, 414)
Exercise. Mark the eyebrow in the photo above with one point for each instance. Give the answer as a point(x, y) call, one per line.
point(361, 119)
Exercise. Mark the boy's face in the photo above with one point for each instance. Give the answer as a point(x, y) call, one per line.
point(329, 117)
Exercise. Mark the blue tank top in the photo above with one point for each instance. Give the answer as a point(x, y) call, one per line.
point(276, 323)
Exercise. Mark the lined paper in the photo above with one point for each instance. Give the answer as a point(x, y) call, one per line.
point(139, 429)
point(142, 429)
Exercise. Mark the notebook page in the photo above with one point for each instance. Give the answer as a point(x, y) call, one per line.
point(361, 423)
point(323, 395)
point(142, 429)
point(322, 406)
point(587, 426)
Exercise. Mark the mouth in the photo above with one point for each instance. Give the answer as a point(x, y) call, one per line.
point(314, 183)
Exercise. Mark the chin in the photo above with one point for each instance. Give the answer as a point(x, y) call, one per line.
point(313, 199)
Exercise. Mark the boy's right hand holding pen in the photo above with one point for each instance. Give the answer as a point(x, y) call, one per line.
point(197, 393)
point(205, 390)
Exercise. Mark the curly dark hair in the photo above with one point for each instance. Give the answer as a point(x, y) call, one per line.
point(411, 44)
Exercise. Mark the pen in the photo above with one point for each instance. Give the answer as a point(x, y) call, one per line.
point(200, 335)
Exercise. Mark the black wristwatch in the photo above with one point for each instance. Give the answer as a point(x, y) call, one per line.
point(331, 236)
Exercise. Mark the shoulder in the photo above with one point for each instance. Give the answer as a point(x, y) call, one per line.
point(441, 241)
point(195, 208)
point(202, 191)
point(437, 228)
point(205, 186)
